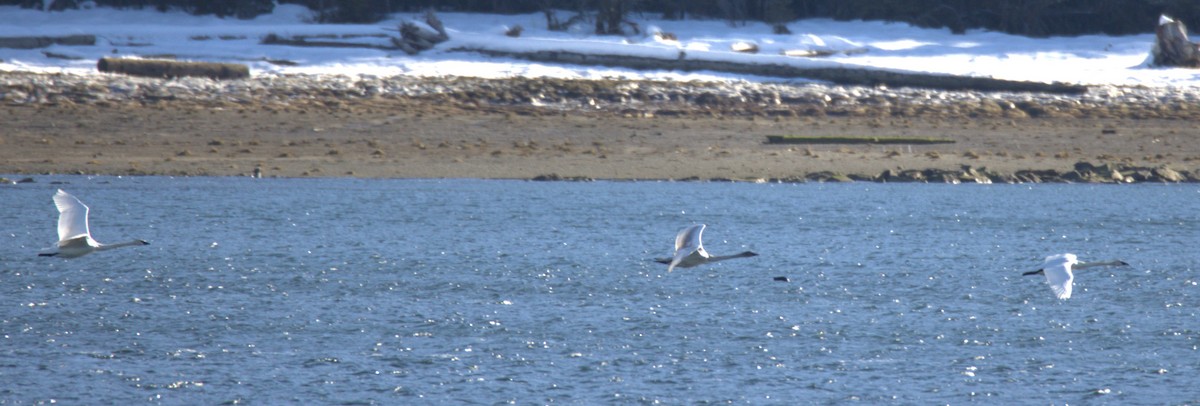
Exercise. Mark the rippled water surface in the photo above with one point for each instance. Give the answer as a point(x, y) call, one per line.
point(401, 291)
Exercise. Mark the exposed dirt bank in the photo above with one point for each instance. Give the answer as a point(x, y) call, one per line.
point(503, 129)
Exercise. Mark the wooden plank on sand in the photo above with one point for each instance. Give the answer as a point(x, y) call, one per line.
point(799, 139)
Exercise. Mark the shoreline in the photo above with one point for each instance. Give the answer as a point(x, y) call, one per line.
point(542, 129)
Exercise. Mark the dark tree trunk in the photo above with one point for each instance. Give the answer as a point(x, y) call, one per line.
point(610, 18)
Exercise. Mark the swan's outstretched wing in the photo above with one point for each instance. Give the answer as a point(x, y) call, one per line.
point(1058, 274)
point(686, 242)
point(689, 238)
point(72, 216)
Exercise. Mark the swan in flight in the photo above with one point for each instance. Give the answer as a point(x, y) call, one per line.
point(1057, 269)
point(689, 251)
point(74, 239)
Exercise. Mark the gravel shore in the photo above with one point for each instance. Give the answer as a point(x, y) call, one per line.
point(616, 95)
point(424, 127)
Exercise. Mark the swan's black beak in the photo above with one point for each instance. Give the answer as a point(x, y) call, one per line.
point(1037, 272)
point(143, 242)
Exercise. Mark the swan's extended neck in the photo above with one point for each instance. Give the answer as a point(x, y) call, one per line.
point(1085, 265)
point(103, 247)
point(743, 254)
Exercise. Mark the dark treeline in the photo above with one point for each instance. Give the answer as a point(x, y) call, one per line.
point(1023, 17)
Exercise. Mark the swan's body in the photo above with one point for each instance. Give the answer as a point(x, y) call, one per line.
point(74, 238)
point(689, 250)
point(1059, 275)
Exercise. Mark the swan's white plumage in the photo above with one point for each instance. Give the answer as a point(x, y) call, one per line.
point(689, 250)
point(687, 244)
point(1059, 271)
point(74, 237)
point(72, 216)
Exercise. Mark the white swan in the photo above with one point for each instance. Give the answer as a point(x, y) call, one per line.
point(1057, 269)
point(74, 239)
point(689, 251)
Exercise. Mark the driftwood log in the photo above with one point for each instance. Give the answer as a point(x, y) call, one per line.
point(158, 68)
point(42, 42)
point(838, 75)
point(1172, 47)
point(415, 36)
point(322, 41)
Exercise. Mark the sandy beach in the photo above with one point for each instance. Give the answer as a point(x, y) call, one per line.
point(432, 137)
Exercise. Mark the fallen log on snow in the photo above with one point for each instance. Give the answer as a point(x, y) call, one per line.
point(417, 36)
point(158, 68)
point(835, 74)
point(325, 41)
point(42, 42)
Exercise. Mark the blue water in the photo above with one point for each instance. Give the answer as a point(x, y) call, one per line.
point(486, 292)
